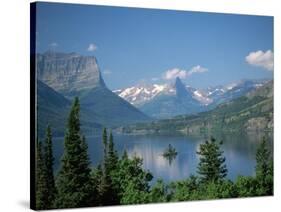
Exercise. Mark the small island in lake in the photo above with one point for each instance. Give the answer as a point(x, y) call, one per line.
point(170, 152)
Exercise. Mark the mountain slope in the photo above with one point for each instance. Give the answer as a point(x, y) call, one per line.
point(167, 100)
point(171, 100)
point(180, 101)
point(254, 111)
point(112, 109)
point(234, 90)
point(141, 94)
point(75, 75)
point(53, 108)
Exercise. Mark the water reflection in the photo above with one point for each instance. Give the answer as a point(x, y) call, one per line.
point(170, 158)
point(239, 150)
point(170, 153)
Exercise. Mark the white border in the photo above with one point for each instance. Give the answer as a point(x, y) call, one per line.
point(14, 110)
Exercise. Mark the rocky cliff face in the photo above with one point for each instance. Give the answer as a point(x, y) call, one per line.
point(68, 73)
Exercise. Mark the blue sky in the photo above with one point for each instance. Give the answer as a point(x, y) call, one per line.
point(154, 46)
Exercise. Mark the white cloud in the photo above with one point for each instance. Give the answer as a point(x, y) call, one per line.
point(197, 69)
point(261, 59)
point(183, 74)
point(107, 72)
point(174, 73)
point(92, 47)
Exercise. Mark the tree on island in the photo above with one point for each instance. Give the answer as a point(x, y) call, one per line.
point(170, 153)
point(75, 188)
point(211, 166)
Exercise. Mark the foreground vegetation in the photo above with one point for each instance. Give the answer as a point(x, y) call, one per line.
point(122, 180)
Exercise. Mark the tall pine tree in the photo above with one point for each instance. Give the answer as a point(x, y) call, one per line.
point(111, 166)
point(40, 179)
point(107, 194)
point(264, 169)
point(112, 154)
point(104, 141)
point(74, 183)
point(49, 162)
point(212, 166)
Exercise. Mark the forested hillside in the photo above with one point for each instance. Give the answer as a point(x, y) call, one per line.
point(253, 111)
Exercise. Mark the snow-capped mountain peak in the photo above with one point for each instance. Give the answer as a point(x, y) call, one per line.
point(139, 95)
point(202, 97)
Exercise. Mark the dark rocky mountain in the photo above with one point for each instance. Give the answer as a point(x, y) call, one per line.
point(175, 102)
point(181, 91)
point(70, 74)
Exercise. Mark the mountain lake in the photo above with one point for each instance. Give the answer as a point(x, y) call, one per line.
point(239, 150)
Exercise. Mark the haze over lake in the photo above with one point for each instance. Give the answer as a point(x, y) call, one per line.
point(239, 150)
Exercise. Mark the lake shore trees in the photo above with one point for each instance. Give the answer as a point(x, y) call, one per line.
point(121, 180)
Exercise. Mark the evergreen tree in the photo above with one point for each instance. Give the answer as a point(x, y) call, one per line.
point(263, 159)
point(112, 154)
point(49, 162)
point(41, 179)
point(74, 180)
point(104, 184)
point(264, 169)
point(125, 155)
point(112, 162)
point(212, 166)
point(188, 189)
point(158, 192)
point(108, 194)
point(246, 186)
point(104, 141)
point(103, 188)
point(97, 184)
point(131, 181)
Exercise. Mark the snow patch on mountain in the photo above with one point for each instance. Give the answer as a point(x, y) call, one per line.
point(142, 94)
point(139, 95)
point(202, 97)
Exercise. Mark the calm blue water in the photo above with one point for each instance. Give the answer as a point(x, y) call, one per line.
point(239, 151)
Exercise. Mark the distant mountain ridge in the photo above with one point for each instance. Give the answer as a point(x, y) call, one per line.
point(178, 100)
point(167, 100)
point(251, 112)
point(66, 75)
